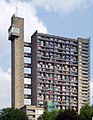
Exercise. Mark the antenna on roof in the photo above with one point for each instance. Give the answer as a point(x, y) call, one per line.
point(16, 9)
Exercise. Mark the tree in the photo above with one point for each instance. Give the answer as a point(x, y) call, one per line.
point(48, 115)
point(86, 113)
point(67, 115)
point(12, 114)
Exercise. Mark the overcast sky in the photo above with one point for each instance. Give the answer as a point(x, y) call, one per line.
point(68, 18)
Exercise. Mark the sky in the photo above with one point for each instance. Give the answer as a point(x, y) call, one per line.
point(68, 18)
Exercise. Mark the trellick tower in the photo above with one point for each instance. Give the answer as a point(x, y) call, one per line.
point(59, 69)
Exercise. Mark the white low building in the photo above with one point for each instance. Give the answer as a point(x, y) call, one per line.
point(33, 112)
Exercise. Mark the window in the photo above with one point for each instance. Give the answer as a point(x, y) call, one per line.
point(27, 49)
point(14, 30)
point(27, 101)
point(27, 81)
point(27, 91)
point(27, 70)
point(27, 60)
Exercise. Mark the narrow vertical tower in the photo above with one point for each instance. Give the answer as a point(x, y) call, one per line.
point(16, 35)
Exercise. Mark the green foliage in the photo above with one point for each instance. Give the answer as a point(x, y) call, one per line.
point(48, 115)
point(67, 115)
point(86, 113)
point(12, 114)
point(59, 115)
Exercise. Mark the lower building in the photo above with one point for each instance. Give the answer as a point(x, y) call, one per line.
point(33, 112)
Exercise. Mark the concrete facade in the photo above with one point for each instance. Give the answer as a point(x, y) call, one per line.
point(60, 71)
point(57, 69)
point(16, 36)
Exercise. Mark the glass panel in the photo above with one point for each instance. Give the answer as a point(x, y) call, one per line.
point(27, 101)
point(27, 81)
point(27, 91)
